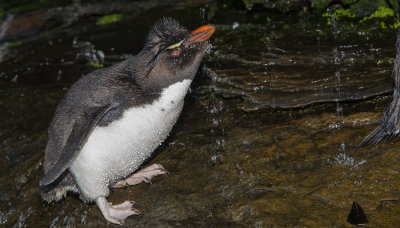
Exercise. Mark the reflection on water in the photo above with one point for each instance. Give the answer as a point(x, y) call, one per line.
point(264, 137)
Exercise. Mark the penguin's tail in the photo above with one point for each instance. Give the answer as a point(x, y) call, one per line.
point(390, 125)
point(58, 189)
point(54, 194)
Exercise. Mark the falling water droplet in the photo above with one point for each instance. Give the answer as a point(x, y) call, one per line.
point(235, 25)
point(215, 109)
point(59, 75)
point(202, 13)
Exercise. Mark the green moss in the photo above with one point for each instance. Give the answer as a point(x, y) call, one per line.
point(109, 19)
point(382, 12)
point(363, 8)
point(385, 61)
point(286, 26)
point(97, 65)
point(395, 25)
point(383, 17)
point(338, 14)
point(14, 44)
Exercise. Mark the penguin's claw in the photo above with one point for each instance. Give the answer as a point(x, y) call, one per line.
point(120, 184)
point(116, 213)
point(125, 205)
point(144, 175)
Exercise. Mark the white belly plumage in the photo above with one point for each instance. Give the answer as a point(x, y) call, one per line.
point(115, 151)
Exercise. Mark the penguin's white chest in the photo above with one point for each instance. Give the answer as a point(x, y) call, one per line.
point(115, 151)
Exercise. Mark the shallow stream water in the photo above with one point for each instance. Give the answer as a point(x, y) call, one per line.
point(265, 138)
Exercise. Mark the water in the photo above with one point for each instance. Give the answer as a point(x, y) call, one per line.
point(202, 13)
point(342, 157)
point(263, 140)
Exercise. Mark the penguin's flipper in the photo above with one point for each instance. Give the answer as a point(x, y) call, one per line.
point(84, 124)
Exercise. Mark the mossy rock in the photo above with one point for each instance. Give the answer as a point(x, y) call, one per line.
point(360, 8)
point(364, 8)
point(109, 19)
point(320, 4)
point(250, 3)
point(280, 5)
point(349, 2)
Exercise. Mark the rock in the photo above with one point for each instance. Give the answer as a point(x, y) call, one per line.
point(280, 5)
point(87, 54)
point(19, 25)
point(367, 7)
point(320, 4)
point(26, 24)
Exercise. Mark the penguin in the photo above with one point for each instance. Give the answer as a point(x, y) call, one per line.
point(390, 124)
point(111, 120)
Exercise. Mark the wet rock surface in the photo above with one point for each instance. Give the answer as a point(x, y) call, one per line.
point(264, 139)
point(24, 24)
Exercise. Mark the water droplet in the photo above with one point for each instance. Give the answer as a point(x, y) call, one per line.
point(235, 25)
point(202, 13)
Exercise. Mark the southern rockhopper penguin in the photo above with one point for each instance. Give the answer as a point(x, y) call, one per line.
point(112, 119)
point(390, 125)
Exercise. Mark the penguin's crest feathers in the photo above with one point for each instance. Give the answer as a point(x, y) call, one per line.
point(165, 32)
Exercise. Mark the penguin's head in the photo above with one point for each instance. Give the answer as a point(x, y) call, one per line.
point(172, 53)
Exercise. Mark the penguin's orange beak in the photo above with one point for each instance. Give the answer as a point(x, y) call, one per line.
point(201, 34)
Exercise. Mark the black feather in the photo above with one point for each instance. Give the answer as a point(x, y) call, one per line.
point(357, 215)
point(153, 62)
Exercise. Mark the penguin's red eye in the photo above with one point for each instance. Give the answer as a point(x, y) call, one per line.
point(175, 53)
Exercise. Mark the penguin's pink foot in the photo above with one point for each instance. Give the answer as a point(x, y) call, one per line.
point(144, 175)
point(116, 214)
